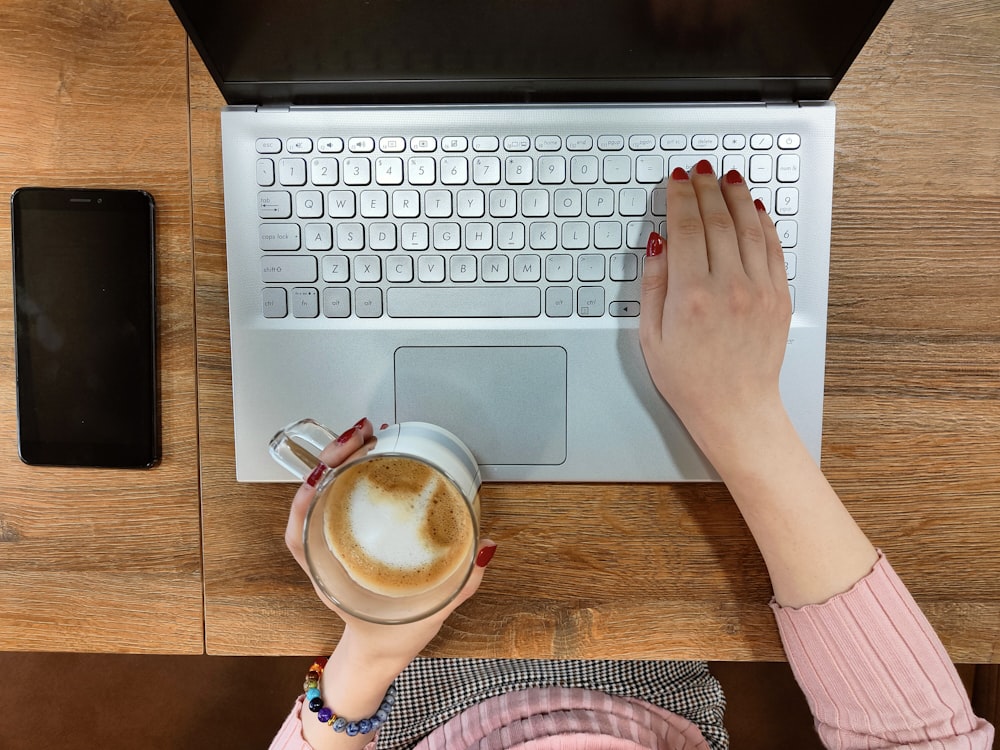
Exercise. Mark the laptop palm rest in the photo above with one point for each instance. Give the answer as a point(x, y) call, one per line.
point(508, 404)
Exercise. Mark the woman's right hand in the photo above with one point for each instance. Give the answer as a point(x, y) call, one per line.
point(715, 305)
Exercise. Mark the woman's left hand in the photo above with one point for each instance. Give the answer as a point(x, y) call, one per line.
point(393, 646)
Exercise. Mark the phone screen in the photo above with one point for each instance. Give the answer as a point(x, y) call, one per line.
point(85, 327)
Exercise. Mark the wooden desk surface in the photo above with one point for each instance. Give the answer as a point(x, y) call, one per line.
point(95, 94)
point(912, 419)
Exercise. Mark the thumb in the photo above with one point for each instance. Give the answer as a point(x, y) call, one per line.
point(653, 292)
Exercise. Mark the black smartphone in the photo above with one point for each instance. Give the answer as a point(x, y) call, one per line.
point(85, 327)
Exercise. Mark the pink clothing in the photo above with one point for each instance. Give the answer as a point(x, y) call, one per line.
point(873, 670)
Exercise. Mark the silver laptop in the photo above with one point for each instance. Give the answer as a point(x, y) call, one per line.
point(438, 211)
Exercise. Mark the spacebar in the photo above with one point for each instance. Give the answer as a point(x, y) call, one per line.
point(456, 302)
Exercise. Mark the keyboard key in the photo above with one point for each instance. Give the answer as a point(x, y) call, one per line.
point(610, 143)
point(381, 236)
point(330, 145)
point(590, 267)
point(336, 269)
point(624, 267)
point(279, 237)
point(340, 204)
point(734, 161)
point(309, 204)
point(391, 144)
point(687, 161)
point(268, 145)
point(510, 236)
point(454, 170)
point(399, 269)
point(734, 142)
point(265, 172)
point(672, 142)
point(319, 237)
point(357, 170)
point(367, 268)
point(637, 233)
point(363, 145)
point(374, 204)
point(430, 269)
point(350, 236)
point(558, 302)
point(704, 142)
point(568, 202)
point(548, 143)
point(423, 143)
point(760, 168)
point(600, 202)
point(527, 268)
point(649, 169)
point(632, 201)
point(389, 170)
point(405, 204)
point(299, 146)
point(788, 168)
point(551, 170)
point(292, 172)
point(617, 169)
point(275, 302)
point(535, 203)
point(454, 143)
point(437, 204)
point(299, 269)
point(503, 203)
point(516, 143)
point(624, 309)
point(447, 236)
point(558, 267)
point(583, 170)
point(607, 235)
point(305, 302)
point(786, 202)
point(471, 204)
point(323, 171)
point(274, 204)
point(575, 236)
point(420, 170)
point(486, 170)
point(788, 232)
point(761, 141)
point(642, 142)
point(495, 268)
point(542, 235)
point(485, 143)
point(590, 301)
point(518, 170)
point(449, 302)
point(336, 302)
point(790, 262)
point(788, 141)
point(462, 269)
point(368, 302)
point(414, 236)
point(579, 143)
point(479, 236)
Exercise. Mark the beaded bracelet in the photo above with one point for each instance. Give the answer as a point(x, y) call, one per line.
point(339, 723)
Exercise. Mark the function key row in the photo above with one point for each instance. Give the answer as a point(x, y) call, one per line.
point(521, 143)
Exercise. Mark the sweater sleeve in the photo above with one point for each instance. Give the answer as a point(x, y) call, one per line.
point(290, 737)
point(874, 672)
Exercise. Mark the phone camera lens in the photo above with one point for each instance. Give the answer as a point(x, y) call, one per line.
point(100, 199)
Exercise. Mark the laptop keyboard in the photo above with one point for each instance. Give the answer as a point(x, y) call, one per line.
point(485, 226)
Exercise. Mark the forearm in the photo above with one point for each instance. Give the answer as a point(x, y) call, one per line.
point(811, 545)
point(353, 685)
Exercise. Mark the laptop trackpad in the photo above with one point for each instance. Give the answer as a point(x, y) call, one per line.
point(508, 404)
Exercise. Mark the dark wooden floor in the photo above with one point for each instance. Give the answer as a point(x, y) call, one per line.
point(114, 702)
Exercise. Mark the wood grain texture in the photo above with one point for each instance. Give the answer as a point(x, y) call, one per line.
point(912, 417)
point(94, 94)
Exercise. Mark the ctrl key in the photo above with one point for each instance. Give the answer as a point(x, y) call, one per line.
point(275, 302)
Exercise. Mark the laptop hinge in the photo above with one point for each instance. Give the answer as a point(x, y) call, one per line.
point(272, 108)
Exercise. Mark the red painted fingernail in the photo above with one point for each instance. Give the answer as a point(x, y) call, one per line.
point(759, 204)
point(348, 434)
point(703, 167)
point(485, 555)
point(654, 245)
point(318, 473)
point(679, 173)
point(733, 177)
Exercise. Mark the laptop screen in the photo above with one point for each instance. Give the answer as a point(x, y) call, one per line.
point(362, 51)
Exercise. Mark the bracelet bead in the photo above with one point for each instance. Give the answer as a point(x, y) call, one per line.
point(326, 715)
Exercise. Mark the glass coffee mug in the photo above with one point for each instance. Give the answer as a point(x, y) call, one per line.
point(392, 535)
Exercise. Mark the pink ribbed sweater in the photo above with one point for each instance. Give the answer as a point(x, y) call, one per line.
point(873, 670)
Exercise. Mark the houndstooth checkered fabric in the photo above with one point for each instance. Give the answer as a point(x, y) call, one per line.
point(432, 691)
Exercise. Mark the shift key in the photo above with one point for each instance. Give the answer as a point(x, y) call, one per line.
point(288, 269)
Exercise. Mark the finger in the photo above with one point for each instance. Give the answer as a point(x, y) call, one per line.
point(750, 238)
point(720, 231)
point(775, 254)
point(487, 547)
point(685, 231)
point(653, 293)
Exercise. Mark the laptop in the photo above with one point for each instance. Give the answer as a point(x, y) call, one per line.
point(438, 211)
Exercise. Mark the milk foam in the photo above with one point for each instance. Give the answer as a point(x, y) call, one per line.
point(397, 526)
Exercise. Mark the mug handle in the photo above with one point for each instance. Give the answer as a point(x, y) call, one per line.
point(297, 447)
